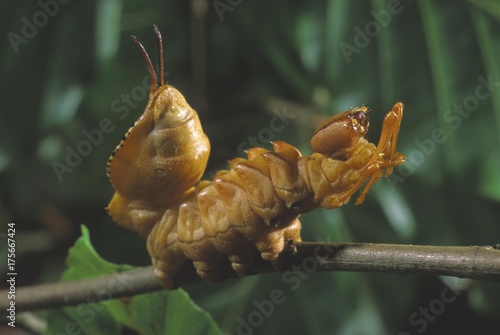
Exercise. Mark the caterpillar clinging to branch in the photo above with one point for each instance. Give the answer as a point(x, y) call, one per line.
point(255, 205)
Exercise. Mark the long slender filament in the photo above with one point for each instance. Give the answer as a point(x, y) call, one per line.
point(151, 69)
point(160, 52)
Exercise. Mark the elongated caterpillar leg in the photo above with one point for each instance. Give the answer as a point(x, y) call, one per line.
point(386, 148)
point(385, 156)
point(396, 158)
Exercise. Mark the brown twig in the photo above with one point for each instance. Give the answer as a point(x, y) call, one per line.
point(475, 262)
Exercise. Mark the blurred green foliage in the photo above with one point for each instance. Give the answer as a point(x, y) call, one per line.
point(239, 63)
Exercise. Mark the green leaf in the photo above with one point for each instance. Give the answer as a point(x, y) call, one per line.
point(165, 312)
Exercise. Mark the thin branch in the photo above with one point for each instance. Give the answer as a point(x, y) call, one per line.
point(475, 262)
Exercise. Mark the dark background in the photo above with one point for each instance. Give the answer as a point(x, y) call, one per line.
point(237, 63)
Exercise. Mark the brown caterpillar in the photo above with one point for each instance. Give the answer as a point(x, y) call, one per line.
point(255, 205)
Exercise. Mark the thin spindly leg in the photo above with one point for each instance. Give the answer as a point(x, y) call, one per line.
point(388, 136)
point(385, 155)
point(395, 157)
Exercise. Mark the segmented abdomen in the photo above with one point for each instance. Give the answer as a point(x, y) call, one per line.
point(252, 207)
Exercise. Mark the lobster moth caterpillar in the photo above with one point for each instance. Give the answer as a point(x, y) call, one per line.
point(245, 212)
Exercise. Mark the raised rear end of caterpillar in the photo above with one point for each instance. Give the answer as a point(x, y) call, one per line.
point(159, 159)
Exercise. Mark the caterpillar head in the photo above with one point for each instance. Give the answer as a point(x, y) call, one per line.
point(160, 158)
point(341, 132)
